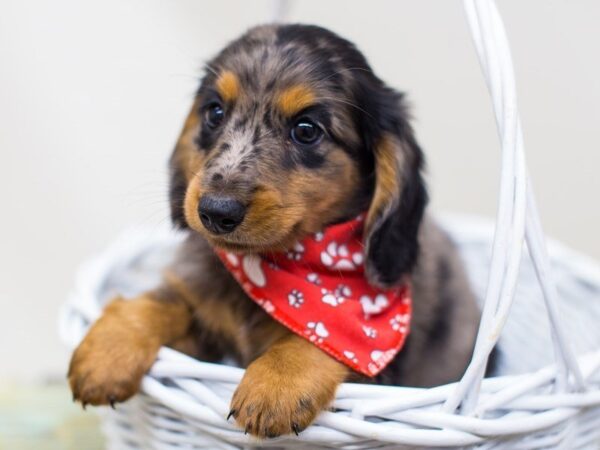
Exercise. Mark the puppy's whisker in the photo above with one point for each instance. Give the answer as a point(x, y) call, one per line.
point(208, 67)
point(346, 102)
point(348, 69)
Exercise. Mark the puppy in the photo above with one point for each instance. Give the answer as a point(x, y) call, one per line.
point(290, 132)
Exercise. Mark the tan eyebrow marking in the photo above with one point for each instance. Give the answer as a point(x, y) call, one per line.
point(294, 99)
point(228, 86)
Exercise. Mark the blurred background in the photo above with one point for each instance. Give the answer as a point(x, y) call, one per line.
point(93, 95)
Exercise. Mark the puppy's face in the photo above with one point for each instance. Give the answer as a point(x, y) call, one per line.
point(290, 131)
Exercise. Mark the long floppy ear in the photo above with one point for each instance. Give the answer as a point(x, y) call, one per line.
point(179, 169)
point(177, 189)
point(399, 194)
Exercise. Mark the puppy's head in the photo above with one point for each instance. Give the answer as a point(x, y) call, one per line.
point(291, 131)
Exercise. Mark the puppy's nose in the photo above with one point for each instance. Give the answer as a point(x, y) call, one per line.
point(220, 215)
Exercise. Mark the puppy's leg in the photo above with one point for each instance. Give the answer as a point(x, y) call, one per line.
point(284, 389)
point(120, 347)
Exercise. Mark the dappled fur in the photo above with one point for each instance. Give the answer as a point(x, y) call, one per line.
point(367, 161)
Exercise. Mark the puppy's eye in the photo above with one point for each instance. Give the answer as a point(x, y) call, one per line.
point(214, 115)
point(306, 132)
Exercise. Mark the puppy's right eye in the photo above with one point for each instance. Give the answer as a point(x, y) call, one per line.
point(214, 115)
point(306, 132)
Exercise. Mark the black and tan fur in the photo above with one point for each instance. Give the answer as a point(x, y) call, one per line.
point(366, 160)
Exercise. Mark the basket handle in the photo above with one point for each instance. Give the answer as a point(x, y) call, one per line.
point(517, 218)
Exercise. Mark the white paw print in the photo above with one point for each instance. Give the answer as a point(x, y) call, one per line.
point(351, 356)
point(382, 356)
point(296, 298)
point(339, 258)
point(376, 355)
point(273, 266)
point(337, 297)
point(400, 322)
point(267, 305)
point(316, 331)
point(373, 306)
point(319, 236)
point(370, 332)
point(380, 359)
point(331, 298)
point(297, 252)
point(313, 278)
point(343, 291)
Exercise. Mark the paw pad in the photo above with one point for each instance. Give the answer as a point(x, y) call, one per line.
point(316, 331)
point(313, 278)
point(400, 322)
point(338, 257)
point(370, 332)
point(296, 298)
point(296, 253)
point(337, 297)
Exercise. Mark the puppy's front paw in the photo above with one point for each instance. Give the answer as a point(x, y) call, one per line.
point(109, 364)
point(275, 398)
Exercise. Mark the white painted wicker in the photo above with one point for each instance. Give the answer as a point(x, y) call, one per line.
point(543, 397)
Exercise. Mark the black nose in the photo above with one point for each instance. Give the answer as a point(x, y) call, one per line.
point(220, 215)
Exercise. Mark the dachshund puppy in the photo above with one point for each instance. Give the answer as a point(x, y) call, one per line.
point(290, 132)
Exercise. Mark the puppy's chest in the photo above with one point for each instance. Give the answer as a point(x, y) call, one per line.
point(225, 315)
point(242, 328)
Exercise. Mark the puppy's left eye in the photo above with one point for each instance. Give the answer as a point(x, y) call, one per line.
point(306, 132)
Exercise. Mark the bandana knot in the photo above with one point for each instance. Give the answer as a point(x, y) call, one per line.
point(318, 290)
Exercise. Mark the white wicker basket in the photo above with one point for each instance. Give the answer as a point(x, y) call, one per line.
point(543, 396)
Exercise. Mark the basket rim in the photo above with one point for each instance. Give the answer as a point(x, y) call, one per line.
point(410, 406)
point(133, 242)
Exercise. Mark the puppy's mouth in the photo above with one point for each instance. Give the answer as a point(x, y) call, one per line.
point(248, 242)
point(240, 247)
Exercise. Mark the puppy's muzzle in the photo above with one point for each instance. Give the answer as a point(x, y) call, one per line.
point(220, 215)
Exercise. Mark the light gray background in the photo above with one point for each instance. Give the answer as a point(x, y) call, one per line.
point(92, 96)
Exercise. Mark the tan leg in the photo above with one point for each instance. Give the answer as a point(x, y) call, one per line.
point(120, 347)
point(284, 389)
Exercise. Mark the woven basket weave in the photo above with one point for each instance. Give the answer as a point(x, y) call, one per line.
point(544, 310)
point(185, 402)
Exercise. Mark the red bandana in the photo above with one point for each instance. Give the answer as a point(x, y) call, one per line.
point(319, 291)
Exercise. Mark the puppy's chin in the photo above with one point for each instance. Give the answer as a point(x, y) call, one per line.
point(246, 242)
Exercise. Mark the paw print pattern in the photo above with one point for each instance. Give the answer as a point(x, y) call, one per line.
point(400, 322)
point(351, 356)
point(337, 297)
point(313, 278)
point(380, 359)
point(317, 289)
point(296, 298)
point(343, 291)
point(376, 355)
point(330, 298)
point(267, 305)
point(370, 332)
point(316, 332)
point(296, 253)
point(338, 257)
point(273, 266)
